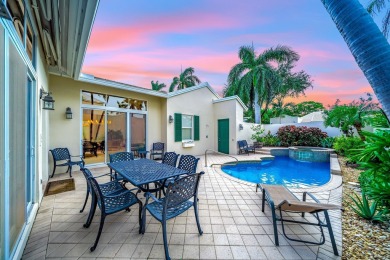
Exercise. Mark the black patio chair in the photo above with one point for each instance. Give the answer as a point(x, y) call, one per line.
point(120, 157)
point(106, 188)
point(157, 149)
point(188, 163)
point(170, 158)
point(110, 204)
point(177, 201)
point(141, 152)
point(249, 148)
point(62, 157)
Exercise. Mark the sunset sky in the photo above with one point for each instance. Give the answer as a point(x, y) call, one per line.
point(136, 42)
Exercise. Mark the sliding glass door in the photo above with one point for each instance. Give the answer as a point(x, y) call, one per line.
point(138, 132)
point(94, 135)
point(116, 132)
point(111, 124)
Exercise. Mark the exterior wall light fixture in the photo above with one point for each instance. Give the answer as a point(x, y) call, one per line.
point(240, 127)
point(48, 101)
point(170, 119)
point(68, 113)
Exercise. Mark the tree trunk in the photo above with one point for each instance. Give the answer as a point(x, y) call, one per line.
point(257, 108)
point(367, 44)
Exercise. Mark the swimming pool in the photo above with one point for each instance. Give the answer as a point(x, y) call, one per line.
point(281, 170)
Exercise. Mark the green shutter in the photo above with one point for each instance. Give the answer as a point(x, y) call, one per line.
point(178, 135)
point(196, 128)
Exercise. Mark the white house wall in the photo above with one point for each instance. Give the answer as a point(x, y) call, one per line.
point(232, 110)
point(200, 103)
point(67, 132)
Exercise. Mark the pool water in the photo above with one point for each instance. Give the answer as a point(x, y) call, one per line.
point(281, 170)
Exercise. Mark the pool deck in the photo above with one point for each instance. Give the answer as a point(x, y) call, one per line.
point(230, 214)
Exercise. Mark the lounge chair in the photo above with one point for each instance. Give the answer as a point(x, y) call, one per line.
point(249, 148)
point(280, 198)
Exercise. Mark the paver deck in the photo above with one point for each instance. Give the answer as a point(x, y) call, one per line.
point(230, 214)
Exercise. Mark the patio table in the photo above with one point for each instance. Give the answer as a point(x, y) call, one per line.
point(142, 172)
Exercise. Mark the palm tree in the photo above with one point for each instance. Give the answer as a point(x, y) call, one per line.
point(367, 44)
point(186, 79)
point(157, 86)
point(376, 6)
point(256, 77)
point(279, 107)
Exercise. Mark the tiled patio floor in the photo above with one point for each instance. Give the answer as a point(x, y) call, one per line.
point(230, 214)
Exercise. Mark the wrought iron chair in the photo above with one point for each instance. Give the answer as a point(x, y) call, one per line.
point(120, 157)
point(62, 154)
point(186, 162)
point(177, 201)
point(170, 158)
point(109, 204)
point(157, 149)
point(106, 188)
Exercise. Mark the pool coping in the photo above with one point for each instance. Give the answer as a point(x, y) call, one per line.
point(334, 182)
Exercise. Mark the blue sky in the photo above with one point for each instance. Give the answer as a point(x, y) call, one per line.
point(136, 42)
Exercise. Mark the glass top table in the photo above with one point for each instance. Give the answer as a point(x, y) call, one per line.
point(145, 171)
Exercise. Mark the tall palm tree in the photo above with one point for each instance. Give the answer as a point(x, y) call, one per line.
point(186, 79)
point(256, 77)
point(367, 44)
point(376, 6)
point(157, 86)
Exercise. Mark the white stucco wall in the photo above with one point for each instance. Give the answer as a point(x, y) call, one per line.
point(198, 102)
point(331, 131)
point(232, 110)
point(67, 133)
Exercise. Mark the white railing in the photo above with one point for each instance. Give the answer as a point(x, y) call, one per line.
point(209, 150)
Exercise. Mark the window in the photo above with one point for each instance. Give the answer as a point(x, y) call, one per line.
point(98, 99)
point(187, 126)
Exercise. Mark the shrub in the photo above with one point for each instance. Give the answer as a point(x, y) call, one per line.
point(374, 158)
point(344, 145)
point(270, 140)
point(301, 135)
point(363, 208)
point(258, 131)
point(327, 142)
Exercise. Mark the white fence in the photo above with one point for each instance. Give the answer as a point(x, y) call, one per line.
point(246, 132)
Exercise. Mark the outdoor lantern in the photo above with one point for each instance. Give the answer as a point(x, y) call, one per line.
point(48, 101)
point(170, 119)
point(68, 113)
point(240, 127)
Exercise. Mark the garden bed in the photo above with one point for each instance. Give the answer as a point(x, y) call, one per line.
point(361, 238)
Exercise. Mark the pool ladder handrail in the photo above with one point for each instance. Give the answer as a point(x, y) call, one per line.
point(210, 150)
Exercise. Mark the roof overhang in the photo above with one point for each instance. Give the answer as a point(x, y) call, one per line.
point(194, 88)
point(114, 84)
point(236, 98)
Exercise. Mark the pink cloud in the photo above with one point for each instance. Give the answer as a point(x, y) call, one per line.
point(141, 32)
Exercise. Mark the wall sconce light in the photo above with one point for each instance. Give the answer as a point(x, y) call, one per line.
point(240, 127)
point(48, 101)
point(68, 113)
point(170, 119)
